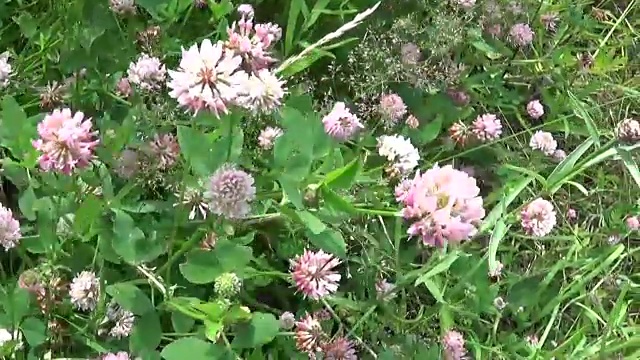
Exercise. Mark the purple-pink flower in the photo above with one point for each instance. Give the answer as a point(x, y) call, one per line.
point(487, 127)
point(314, 275)
point(340, 123)
point(340, 348)
point(538, 217)
point(535, 109)
point(633, 223)
point(9, 229)
point(521, 34)
point(453, 344)
point(251, 42)
point(165, 149)
point(392, 108)
point(444, 205)
point(66, 141)
point(116, 356)
point(309, 335)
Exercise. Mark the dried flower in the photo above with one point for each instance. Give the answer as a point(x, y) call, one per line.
point(192, 197)
point(549, 21)
point(453, 344)
point(322, 314)
point(459, 133)
point(628, 130)
point(207, 78)
point(412, 122)
point(200, 4)
point(585, 60)
point(9, 229)
point(521, 34)
point(495, 30)
point(613, 239)
point(399, 151)
point(123, 7)
point(209, 241)
point(165, 150)
point(5, 70)
point(459, 97)
point(123, 88)
point(31, 281)
point(148, 37)
point(411, 54)
point(309, 335)
point(268, 136)
point(339, 348)
point(495, 271)
point(123, 321)
point(392, 108)
point(559, 155)
point(340, 123)
point(230, 191)
point(65, 141)
point(260, 92)
point(444, 205)
point(128, 164)
point(487, 127)
point(535, 109)
point(499, 303)
point(384, 290)
point(532, 340)
point(538, 218)
point(147, 72)
point(116, 356)
point(313, 274)
point(227, 285)
point(633, 223)
point(52, 95)
point(85, 291)
point(543, 141)
point(287, 320)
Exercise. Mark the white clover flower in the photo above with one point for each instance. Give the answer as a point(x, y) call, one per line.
point(268, 136)
point(85, 291)
point(147, 72)
point(261, 92)
point(399, 151)
point(207, 78)
point(544, 142)
point(5, 70)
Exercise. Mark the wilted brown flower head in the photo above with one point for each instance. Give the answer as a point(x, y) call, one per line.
point(148, 37)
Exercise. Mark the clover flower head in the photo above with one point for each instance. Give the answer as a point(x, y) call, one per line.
point(487, 127)
point(230, 192)
point(340, 123)
point(66, 141)
point(535, 109)
point(85, 291)
point(538, 218)
point(314, 275)
point(10, 234)
point(543, 141)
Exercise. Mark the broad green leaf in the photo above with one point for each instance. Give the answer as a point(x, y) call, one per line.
point(198, 149)
point(146, 334)
point(203, 267)
point(181, 322)
point(291, 189)
point(34, 330)
point(344, 176)
point(212, 330)
point(27, 203)
point(130, 298)
point(129, 241)
point(330, 241)
point(262, 330)
point(315, 225)
point(335, 201)
point(87, 213)
point(16, 130)
point(193, 349)
point(430, 131)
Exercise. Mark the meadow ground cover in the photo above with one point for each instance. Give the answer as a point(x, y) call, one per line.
point(319, 179)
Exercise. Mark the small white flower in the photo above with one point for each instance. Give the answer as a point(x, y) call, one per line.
point(399, 151)
point(268, 136)
point(85, 291)
point(261, 92)
point(147, 72)
point(544, 142)
point(5, 70)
